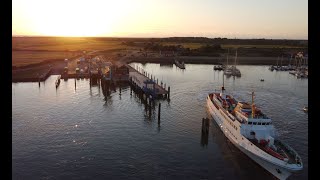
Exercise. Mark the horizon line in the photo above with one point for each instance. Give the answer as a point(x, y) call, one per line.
point(123, 37)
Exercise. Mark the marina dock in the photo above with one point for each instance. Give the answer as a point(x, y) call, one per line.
point(149, 85)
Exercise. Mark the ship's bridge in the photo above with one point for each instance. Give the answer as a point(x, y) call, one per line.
point(246, 113)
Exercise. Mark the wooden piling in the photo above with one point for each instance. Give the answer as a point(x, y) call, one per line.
point(205, 125)
point(149, 107)
point(159, 111)
point(168, 92)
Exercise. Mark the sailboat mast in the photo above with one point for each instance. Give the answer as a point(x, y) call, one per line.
point(252, 106)
point(235, 58)
point(227, 57)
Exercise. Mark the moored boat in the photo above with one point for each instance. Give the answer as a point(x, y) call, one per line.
point(252, 131)
point(305, 109)
point(218, 67)
point(58, 81)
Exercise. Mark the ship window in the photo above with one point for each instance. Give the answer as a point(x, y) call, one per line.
point(259, 123)
point(254, 123)
point(249, 122)
point(263, 123)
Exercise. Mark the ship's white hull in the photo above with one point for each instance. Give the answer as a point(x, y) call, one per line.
point(238, 140)
point(277, 171)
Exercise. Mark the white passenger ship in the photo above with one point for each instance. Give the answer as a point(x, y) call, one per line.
point(253, 133)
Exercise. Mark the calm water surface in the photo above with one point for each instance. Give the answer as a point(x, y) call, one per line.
point(78, 133)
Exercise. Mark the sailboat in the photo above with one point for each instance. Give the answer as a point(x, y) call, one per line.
point(228, 70)
point(235, 70)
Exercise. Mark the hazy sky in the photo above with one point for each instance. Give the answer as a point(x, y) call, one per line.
point(276, 19)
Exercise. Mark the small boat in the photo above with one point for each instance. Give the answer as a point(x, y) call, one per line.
point(305, 109)
point(271, 68)
point(180, 64)
point(261, 79)
point(219, 67)
point(228, 72)
point(58, 81)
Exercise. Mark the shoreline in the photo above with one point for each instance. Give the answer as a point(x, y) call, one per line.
point(59, 64)
point(212, 60)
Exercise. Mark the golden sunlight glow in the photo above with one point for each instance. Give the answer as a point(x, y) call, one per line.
point(160, 18)
point(75, 18)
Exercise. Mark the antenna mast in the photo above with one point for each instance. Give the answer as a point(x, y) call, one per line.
point(222, 88)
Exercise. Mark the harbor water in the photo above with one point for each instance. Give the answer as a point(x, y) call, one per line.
point(76, 132)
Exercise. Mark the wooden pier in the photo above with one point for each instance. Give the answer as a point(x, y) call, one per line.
point(149, 86)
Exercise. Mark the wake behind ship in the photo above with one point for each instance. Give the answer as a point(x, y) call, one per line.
point(250, 130)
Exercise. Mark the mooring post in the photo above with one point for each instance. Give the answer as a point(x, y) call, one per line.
point(205, 125)
point(75, 83)
point(168, 92)
point(159, 111)
point(202, 125)
point(39, 81)
point(149, 106)
point(157, 80)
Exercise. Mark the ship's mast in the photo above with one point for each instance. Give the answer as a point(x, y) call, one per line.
point(252, 106)
point(235, 58)
point(227, 58)
point(222, 88)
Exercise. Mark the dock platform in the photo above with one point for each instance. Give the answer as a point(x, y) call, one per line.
point(147, 85)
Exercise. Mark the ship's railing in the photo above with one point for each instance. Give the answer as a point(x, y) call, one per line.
point(226, 114)
point(291, 151)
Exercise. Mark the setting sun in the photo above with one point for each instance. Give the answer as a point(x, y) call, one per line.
point(73, 18)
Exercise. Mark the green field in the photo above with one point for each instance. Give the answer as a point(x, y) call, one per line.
point(64, 44)
point(31, 50)
point(231, 46)
point(22, 58)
